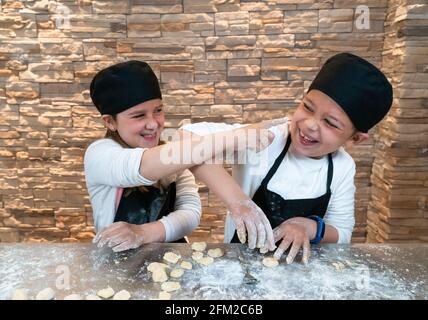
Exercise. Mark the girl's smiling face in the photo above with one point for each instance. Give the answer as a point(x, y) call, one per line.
point(139, 126)
point(319, 126)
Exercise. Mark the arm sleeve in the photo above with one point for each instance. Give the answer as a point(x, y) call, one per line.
point(340, 212)
point(187, 214)
point(205, 128)
point(107, 163)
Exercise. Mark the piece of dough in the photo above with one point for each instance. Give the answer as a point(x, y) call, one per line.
point(159, 275)
point(177, 273)
point(206, 261)
point(19, 294)
point(106, 293)
point(270, 262)
point(197, 255)
point(73, 296)
point(92, 297)
point(171, 257)
point(186, 265)
point(170, 286)
point(163, 295)
point(199, 246)
point(122, 295)
point(215, 253)
point(45, 294)
point(156, 265)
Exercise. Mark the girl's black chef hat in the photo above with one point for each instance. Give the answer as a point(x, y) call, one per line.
point(124, 85)
point(357, 86)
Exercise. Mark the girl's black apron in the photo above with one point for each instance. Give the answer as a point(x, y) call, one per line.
point(277, 209)
point(137, 207)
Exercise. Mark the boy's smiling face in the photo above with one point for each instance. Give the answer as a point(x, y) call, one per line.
point(319, 126)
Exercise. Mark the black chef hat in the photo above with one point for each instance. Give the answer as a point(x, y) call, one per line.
point(124, 85)
point(357, 86)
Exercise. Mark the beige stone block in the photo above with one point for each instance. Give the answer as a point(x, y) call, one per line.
point(336, 20)
point(230, 43)
point(23, 90)
point(301, 21)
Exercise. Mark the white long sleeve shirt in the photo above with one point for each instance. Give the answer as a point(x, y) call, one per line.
point(297, 177)
point(109, 166)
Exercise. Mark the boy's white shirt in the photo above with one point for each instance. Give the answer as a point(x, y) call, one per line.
point(109, 166)
point(288, 180)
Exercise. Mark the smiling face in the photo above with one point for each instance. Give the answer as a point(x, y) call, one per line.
point(139, 126)
point(319, 126)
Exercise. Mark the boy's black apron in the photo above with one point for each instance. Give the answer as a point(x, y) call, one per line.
point(277, 209)
point(137, 207)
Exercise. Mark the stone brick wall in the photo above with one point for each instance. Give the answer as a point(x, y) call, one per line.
point(398, 208)
point(230, 60)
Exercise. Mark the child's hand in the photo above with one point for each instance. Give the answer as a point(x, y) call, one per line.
point(296, 232)
point(250, 220)
point(256, 136)
point(121, 236)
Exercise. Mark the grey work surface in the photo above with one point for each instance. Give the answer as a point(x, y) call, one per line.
point(370, 271)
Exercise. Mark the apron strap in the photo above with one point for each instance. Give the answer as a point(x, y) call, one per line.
point(119, 192)
point(277, 163)
point(329, 172)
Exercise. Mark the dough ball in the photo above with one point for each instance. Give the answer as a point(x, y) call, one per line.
point(122, 295)
point(73, 296)
point(177, 273)
point(270, 262)
point(159, 275)
point(197, 256)
point(186, 265)
point(171, 257)
point(92, 297)
point(163, 295)
point(199, 246)
point(206, 261)
point(215, 253)
point(19, 294)
point(45, 294)
point(156, 265)
point(106, 293)
point(170, 286)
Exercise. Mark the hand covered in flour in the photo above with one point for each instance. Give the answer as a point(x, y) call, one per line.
point(250, 220)
point(121, 236)
point(295, 232)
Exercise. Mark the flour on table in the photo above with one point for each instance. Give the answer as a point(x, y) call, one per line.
point(45, 294)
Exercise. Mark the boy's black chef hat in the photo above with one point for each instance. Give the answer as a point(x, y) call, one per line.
point(360, 88)
point(124, 85)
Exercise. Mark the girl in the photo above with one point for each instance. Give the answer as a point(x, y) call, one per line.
point(136, 196)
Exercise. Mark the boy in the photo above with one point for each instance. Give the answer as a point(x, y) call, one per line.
point(307, 188)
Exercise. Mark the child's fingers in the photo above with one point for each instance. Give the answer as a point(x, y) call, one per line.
point(261, 234)
point(270, 242)
point(252, 233)
point(240, 229)
point(285, 243)
point(293, 251)
point(306, 251)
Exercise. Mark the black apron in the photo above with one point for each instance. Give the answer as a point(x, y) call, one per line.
point(277, 209)
point(138, 207)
